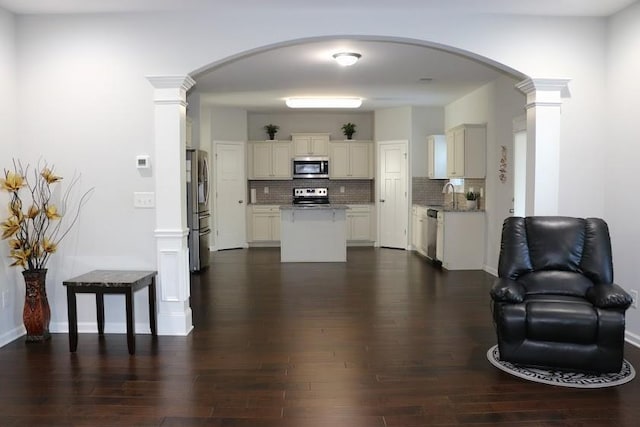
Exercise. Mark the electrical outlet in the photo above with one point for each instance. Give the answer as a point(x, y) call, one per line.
point(266, 190)
point(144, 200)
point(634, 297)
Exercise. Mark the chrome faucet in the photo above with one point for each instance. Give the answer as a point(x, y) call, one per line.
point(454, 202)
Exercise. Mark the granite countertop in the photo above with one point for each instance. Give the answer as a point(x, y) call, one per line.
point(447, 208)
point(316, 207)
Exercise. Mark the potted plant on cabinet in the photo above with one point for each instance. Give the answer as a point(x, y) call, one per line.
point(472, 199)
point(34, 229)
point(271, 130)
point(348, 129)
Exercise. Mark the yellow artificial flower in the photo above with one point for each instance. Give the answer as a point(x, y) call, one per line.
point(49, 246)
point(33, 212)
point(15, 244)
point(48, 175)
point(10, 227)
point(20, 258)
point(12, 182)
point(52, 212)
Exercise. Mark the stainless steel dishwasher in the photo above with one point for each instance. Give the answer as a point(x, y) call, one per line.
point(432, 234)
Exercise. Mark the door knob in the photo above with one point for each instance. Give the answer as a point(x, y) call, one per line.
point(239, 201)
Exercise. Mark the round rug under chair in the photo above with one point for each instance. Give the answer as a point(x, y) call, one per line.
point(563, 378)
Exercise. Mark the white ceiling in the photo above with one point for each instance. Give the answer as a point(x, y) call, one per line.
point(524, 7)
point(388, 75)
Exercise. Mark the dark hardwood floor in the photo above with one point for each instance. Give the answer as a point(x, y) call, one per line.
point(383, 340)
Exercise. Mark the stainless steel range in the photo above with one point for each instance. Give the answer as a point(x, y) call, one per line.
point(311, 196)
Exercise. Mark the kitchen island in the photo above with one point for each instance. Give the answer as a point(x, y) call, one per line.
point(315, 233)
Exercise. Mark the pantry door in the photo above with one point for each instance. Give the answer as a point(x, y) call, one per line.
point(230, 195)
point(393, 203)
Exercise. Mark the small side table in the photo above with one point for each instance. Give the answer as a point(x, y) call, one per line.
point(102, 282)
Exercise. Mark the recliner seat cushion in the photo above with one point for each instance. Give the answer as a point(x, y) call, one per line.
point(562, 322)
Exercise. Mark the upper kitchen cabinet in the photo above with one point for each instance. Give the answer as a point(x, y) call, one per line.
point(467, 151)
point(351, 160)
point(310, 144)
point(437, 156)
point(269, 160)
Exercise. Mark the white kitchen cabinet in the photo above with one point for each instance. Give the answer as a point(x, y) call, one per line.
point(461, 240)
point(467, 151)
point(419, 232)
point(437, 157)
point(310, 144)
point(351, 160)
point(269, 160)
point(360, 224)
point(264, 223)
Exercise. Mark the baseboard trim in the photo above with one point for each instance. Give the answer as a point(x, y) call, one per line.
point(12, 335)
point(490, 270)
point(632, 339)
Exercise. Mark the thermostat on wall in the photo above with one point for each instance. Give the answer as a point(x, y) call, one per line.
point(143, 161)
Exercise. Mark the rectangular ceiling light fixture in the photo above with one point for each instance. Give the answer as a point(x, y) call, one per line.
point(323, 102)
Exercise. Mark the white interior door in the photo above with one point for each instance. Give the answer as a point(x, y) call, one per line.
point(393, 206)
point(231, 193)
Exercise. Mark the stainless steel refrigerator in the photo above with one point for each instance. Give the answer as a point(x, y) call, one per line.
point(198, 215)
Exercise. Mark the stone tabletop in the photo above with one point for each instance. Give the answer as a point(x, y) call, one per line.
point(110, 278)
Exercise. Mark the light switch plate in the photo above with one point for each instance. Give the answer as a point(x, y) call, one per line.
point(144, 200)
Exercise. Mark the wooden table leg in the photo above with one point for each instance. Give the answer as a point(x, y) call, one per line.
point(152, 307)
point(131, 330)
point(72, 316)
point(100, 312)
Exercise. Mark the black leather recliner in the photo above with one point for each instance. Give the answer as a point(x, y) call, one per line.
point(554, 302)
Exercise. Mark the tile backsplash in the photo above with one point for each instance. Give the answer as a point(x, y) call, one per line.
point(357, 191)
point(429, 191)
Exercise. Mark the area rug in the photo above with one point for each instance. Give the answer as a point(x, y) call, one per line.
point(562, 378)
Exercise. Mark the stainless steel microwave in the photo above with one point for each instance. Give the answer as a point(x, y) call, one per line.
point(311, 167)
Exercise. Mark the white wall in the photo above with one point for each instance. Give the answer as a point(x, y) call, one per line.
point(11, 290)
point(228, 124)
point(83, 92)
point(301, 122)
point(620, 157)
point(392, 124)
point(495, 104)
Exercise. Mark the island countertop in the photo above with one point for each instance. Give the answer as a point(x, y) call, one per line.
point(312, 207)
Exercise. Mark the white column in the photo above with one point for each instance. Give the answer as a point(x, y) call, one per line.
point(174, 312)
point(544, 99)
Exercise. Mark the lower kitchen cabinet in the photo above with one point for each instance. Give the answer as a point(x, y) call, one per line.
point(419, 229)
point(461, 240)
point(264, 224)
point(360, 228)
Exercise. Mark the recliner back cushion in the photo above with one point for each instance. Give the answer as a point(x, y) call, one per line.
point(555, 243)
point(514, 251)
point(597, 263)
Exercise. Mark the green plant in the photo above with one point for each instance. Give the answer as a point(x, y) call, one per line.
point(271, 130)
point(348, 129)
point(471, 195)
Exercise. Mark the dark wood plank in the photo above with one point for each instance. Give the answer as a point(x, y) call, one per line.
point(383, 340)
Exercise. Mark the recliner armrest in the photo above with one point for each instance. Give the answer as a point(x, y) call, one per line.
point(609, 296)
point(507, 290)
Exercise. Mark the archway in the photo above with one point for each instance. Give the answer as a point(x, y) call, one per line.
point(174, 314)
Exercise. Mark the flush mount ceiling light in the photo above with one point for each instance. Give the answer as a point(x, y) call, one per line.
point(346, 58)
point(323, 102)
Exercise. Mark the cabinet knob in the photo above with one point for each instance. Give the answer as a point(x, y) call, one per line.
point(240, 201)
point(381, 200)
